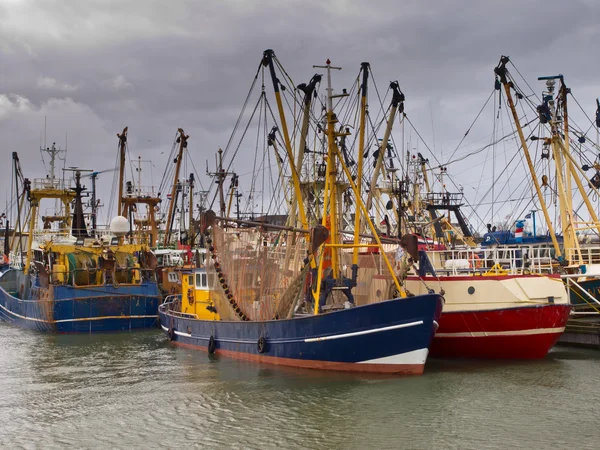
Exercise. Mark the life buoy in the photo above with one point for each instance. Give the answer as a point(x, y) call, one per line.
point(478, 262)
point(171, 333)
point(262, 344)
point(212, 345)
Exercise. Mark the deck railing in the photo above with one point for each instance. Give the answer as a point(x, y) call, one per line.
point(50, 184)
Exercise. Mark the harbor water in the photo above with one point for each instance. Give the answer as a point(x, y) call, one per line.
point(136, 390)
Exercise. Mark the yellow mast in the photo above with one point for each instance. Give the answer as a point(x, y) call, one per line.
point(335, 159)
point(182, 139)
point(565, 212)
point(397, 99)
point(574, 168)
point(308, 90)
point(361, 149)
point(268, 56)
point(501, 71)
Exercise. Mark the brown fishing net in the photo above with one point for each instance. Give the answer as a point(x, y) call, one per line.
point(256, 274)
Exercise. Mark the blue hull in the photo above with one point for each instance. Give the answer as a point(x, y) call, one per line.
point(387, 337)
point(89, 309)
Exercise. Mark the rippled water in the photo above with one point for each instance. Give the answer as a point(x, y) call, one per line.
point(138, 391)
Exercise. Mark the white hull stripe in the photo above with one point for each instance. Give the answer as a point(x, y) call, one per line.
point(317, 339)
point(412, 357)
point(361, 333)
point(533, 331)
point(83, 319)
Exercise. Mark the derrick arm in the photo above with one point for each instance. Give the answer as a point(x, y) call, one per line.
point(397, 105)
point(501, 73)
point(182, 139)
point(268, 62)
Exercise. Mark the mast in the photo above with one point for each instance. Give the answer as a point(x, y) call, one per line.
point(361, 149)
point(571, 171)
point(93, 176)
point(562, 92)
point(267, 61)
point(334, 160)
point(501, 72)
point(78, 227)
point(397, 104)
point(122, 148)
point(191, 211)
point(330, 197)
point(53, 152)
point(565, 212)
point(221, 176)
point(309, 90)
point(182, 210)
point(182, 140)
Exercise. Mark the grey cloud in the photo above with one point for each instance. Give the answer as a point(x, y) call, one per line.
point(156, 65)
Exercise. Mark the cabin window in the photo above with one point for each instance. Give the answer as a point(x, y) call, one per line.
point(38, 256)
point(201, 281)
point(191, 280)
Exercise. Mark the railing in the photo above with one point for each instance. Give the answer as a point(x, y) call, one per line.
point(513, 261)
point(63, 235)
point(444, 198)
point(142, 192)
point(589, 255)
point(48, 183)
point(132, 275)
point(15, 260)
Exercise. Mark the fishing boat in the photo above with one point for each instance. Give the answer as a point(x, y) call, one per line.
point(68, 280)
point(504, 296)
point(279, 294)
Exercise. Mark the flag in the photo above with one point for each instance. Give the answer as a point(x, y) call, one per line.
point(528, 216)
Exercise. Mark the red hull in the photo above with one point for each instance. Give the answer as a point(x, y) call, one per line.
point(527, 332)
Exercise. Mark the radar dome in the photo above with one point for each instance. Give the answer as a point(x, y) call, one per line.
point(119, 226)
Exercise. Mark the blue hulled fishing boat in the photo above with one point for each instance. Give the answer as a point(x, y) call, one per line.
point(387, 337)
point(67, 281)
point(285, 293)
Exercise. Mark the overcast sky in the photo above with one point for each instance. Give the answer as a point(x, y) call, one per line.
point(92, 67)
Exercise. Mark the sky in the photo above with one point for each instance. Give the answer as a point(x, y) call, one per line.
point(90, 68)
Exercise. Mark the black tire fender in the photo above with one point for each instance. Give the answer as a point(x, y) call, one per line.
point(212, 345)
point(261, 345)
point(171, 333)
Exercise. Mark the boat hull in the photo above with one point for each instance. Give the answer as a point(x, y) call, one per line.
point(386, 337)
point(66, 309)
point(500, 316)
point(527, 332)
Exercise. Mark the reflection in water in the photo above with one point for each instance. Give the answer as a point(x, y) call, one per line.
point(137, 390)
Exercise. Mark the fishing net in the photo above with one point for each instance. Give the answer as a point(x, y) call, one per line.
point(256, 274)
